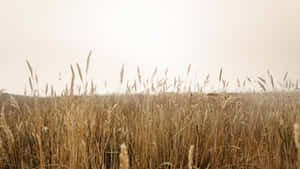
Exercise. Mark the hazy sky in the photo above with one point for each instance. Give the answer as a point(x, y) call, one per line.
point(245, 37)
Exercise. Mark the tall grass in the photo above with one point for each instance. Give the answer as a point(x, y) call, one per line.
point(142, 130)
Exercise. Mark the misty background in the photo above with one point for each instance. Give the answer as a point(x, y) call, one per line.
point(245, 38)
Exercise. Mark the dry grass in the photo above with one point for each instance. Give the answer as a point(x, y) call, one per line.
point(163, 130)
point(227, 131)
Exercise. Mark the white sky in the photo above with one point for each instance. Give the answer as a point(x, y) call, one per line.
point(244, 37)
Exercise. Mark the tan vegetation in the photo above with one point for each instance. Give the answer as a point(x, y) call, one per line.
point(227, 131)
point(139, 130)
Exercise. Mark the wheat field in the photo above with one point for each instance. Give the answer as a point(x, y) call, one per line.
point(144, 130)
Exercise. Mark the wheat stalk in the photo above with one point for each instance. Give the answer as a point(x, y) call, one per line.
point(9, 135)
point(166, 72)
point(261, 85)
point(249, 80)
point(52, 91)
point(206, 80)
point(139, 75)
point(122, 74)
point(238, 82)
point(272, 81)
point(190, 158)
point(36, 79)
point(72, 81)
point(88, 62)
point(46, 89)
point(14, 103)
point(188, 70)
point(297, 142)
point(153, 74)
point(124, 159)
point(224, 83)
point(41, 153)
point(30, 84)
point(79, 72)
point(29, 67)
point(220, 75)
point(285, 76)
point(262, 80)
point(93, 88)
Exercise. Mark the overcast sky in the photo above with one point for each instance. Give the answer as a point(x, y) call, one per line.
point(245, 37)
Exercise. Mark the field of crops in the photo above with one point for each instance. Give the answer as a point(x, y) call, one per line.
point(166, 130)
point(150, 129)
